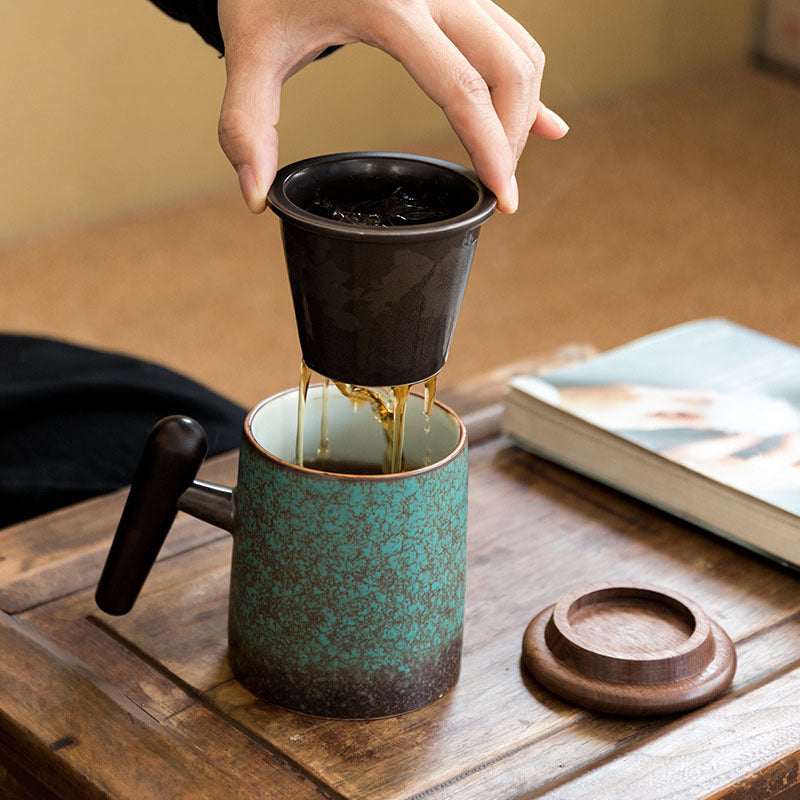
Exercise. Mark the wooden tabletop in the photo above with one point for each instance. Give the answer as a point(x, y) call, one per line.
point(144, 706)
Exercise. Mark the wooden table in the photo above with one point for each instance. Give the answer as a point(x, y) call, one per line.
point(144, 706)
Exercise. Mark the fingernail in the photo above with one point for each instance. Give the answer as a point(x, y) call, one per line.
point(255, 198)
point(559, 122)
point(513, 195)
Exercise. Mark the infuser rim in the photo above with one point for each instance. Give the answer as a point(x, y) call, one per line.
point(251, 439)
point(279, 202)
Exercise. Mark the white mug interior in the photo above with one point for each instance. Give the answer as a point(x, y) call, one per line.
point(354, 434)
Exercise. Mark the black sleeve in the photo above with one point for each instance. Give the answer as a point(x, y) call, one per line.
point(202, 16)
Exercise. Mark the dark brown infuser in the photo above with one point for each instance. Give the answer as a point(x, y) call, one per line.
point(378, 250)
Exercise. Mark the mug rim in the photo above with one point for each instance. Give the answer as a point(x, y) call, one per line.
point(288, 211)
point(452, 455)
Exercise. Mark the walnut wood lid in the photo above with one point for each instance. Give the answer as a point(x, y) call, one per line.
point(629, 649)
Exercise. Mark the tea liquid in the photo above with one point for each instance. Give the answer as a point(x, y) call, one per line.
point(346, 466)
point(427, 408)
point(305, 377)
point(389, 411)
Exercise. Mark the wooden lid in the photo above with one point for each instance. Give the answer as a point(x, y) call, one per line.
point(629, 649)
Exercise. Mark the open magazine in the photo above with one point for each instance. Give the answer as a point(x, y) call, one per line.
point(702, 420)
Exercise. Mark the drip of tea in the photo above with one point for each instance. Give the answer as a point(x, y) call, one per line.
point(302, 394)
point(324, 449)
point(389, 411)
point(427, 408)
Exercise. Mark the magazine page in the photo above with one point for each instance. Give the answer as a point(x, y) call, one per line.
point(711, 395)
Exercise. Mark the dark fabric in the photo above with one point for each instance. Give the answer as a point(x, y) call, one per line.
point(73, 421)
point(202, 16)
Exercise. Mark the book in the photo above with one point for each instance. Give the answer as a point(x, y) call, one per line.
point(701, 420)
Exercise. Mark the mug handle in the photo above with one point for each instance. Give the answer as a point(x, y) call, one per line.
point(164, 483)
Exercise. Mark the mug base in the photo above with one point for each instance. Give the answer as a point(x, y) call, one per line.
point(360, 697)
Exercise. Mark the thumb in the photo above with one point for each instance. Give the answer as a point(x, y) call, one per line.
point(247, 120)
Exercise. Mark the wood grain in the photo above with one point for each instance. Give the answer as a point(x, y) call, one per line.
point(534, 529)
point(52, 704)
point(715, 750)
point(18, 784)
point(185, 631)
point(632, 649)
point(76, 625)
point(64, 551)
point(495, 709)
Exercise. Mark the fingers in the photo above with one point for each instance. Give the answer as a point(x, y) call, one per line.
point(266, 41)
point(249, 114)
point(548, 125)
point(252, 149)
point(485, 71)
point(472, 59)
point(511, 76)
point(263, 47)
point(445, 74)
point(544, 123)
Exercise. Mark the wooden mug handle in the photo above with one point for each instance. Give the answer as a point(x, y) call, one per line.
point(172, 455)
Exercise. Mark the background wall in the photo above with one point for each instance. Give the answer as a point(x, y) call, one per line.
point(108, 107)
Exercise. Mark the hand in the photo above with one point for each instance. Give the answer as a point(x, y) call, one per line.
point(471, 58)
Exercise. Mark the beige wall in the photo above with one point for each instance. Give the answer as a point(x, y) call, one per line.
point(108, 107)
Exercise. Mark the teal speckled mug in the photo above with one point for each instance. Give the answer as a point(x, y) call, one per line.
point(347, 591)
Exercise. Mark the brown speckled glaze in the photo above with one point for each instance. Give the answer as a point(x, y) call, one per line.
point(347, 592)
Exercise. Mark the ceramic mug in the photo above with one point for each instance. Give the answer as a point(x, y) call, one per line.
point(347, 591)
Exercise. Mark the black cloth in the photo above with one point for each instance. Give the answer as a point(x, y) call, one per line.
point(73, 421)
point(202, 16)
